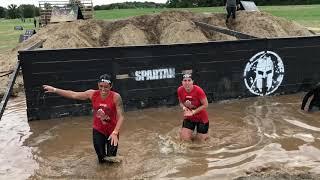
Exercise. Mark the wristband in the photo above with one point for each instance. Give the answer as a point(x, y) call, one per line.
point(54, 90)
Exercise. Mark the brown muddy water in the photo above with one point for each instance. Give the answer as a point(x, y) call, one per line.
point(247, 137)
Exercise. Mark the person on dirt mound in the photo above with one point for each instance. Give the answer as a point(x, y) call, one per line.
point(314, 104)
point(193, 102)
point(107, 115)
point(231, 7)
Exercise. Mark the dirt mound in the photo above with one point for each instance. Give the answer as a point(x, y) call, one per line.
point(261, 24)
point(128, 35)
point(184, 31)
point(165, 28)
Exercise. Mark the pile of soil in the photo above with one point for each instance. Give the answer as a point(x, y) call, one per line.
point(165, 28)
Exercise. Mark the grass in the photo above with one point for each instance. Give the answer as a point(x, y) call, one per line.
point(8, 36)
point(307, 15)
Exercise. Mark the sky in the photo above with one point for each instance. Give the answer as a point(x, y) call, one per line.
point(5, 3)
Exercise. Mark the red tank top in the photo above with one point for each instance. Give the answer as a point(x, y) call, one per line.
point(109, 108)
point(194, 97)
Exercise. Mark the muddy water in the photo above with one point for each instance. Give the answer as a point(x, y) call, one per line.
point(248, 135)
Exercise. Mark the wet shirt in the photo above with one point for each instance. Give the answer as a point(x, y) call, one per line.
point(109, 108)
point(194, 97)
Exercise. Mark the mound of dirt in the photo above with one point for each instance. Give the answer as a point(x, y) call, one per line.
point(128, 35)
point(165, 28)
point(264, 25)
point(184, 31)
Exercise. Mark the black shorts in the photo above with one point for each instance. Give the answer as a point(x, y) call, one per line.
point(201, 127)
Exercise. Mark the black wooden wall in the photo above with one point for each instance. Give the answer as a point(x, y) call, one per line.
point(218, 67)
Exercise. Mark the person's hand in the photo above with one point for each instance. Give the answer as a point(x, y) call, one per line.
point(49, 89)
point(188, 112)
point(188, 104)
point(184, 108)
point(114, 139)
point(102, 116)
point(100, 113)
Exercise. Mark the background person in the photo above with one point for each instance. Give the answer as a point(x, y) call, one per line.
point(35, 22)
point(107, 114)
point(193, 102)
point(314, 104)
point(231, 7)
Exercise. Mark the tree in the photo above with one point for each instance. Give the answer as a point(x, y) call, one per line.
point(37, 11)
point(27, 10)
point(12, 11)
point(2, 12)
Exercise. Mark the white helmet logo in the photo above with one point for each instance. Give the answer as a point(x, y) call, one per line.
point(264, 73)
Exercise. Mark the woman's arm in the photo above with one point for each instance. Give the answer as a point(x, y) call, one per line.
point(119, 106)
point(68, 93)
point(114, 135)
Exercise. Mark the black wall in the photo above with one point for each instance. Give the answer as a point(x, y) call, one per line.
point(218, 67)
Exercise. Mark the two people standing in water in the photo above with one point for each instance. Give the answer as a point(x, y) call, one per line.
point(108, 113)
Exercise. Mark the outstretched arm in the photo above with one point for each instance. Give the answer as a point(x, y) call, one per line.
point(68, 93)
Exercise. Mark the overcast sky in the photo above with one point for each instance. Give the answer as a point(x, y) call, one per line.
point(5, 3)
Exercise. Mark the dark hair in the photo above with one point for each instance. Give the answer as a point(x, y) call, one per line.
point(105, 78)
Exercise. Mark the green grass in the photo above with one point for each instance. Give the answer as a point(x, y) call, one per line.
point(307, 15)
point(8, 36)
point(124, 13)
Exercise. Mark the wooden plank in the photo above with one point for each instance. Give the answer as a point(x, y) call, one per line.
point(224, 30)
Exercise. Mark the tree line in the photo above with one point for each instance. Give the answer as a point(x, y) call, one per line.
point(130, 5)
point(29, 11)
point(23, 11)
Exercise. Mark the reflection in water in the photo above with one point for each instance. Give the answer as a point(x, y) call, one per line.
point(243, 134)
point(16, 159)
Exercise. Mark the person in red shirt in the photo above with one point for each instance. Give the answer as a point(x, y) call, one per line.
point(107, 114)
point(193, 102)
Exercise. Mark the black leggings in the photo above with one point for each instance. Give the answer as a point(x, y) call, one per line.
point(201, 127)
point(231, 11)
point(99, 142)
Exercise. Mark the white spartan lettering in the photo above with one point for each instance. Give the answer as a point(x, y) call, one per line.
point(155, 74)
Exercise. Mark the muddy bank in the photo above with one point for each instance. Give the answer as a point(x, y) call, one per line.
point(278, 172)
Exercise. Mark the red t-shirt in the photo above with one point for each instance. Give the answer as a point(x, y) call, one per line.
point(109, 108)
point(194, 97)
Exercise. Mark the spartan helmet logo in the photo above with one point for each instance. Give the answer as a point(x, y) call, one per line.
point(264, 73)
